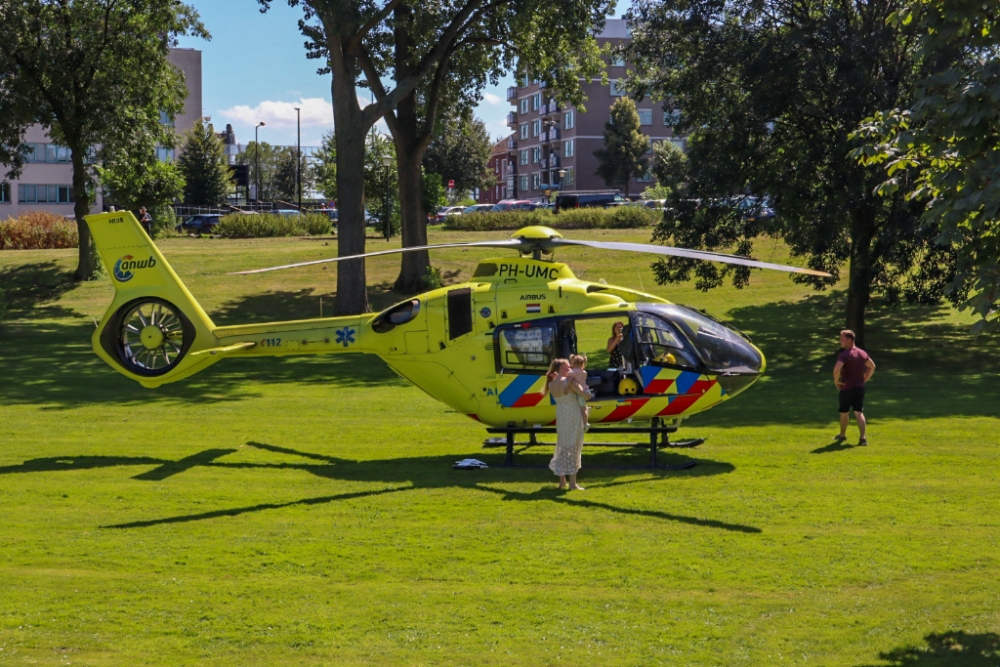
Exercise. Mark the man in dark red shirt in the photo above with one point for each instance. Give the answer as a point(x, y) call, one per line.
point(853, 369)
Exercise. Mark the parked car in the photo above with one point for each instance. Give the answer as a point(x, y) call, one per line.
point(287, 212)
point(446, 211)
point(654, 203)
point(589, 199)
point(202, 223)
point(478, 208)
point(754, 208)
point(512, 205)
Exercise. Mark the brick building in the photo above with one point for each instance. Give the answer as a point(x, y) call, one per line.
point(550, 138)
point(499, 166)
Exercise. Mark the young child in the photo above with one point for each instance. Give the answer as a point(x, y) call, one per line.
point(578, 365)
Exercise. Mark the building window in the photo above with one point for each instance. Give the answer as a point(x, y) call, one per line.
point(31, 154)
point(524, 157)
point(568, 120)
point(671, 117)
point(567, 179)
point(649, 145)
point(45, 194)
point(645, 116)
point(536, 181)
point(524, 130)
point(524, 105)
point(568, 148)
point(164, 154)
point(536, 127)
point(617, 61)
point(615, 90)
point(536, 101)
point(645, 178)
point(56, 153)
point(4, 193)
point(524, 183)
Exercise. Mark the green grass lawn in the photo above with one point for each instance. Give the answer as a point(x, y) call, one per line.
point(303, 511)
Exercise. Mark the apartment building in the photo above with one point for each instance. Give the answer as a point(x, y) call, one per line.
point(46, 180)
point(552, 139)
point(499, 165)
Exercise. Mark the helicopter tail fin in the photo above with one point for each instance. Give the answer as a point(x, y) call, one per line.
point(154, 327)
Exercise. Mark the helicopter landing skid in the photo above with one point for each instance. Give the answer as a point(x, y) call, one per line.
point(659, 438)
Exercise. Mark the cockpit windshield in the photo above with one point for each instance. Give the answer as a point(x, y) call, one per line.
point(720, 348)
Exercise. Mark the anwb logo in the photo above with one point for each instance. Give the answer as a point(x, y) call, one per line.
point(126, 267)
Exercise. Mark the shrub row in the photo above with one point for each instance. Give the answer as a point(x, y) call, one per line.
point(619, 217)
point(264, 225)
point(38, 230)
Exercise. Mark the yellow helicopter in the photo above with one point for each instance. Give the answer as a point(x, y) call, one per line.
point(481, 347)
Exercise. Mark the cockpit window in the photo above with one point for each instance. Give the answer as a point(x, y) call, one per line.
point(720, 347)
point(659, 343)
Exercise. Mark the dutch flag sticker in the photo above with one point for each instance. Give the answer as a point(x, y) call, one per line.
point(534, 307)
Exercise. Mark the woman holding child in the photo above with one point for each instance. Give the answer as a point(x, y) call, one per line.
point(570, 422)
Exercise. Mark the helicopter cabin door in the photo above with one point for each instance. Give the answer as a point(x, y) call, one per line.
point(456, 314)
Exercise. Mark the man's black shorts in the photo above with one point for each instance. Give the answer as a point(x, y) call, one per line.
point(852, 399)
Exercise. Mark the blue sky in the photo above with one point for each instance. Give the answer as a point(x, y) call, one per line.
point(255, 69)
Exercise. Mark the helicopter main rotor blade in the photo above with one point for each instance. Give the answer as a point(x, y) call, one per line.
point(505, 243)
point(688, 254)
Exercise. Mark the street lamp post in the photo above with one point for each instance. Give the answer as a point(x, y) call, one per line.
point(298, 155)
point(387, 223)
point(256, 154)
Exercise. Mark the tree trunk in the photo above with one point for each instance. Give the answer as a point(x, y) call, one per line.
point(415, 264)
point(87, 267)
point(860, 274)
point(350, 129)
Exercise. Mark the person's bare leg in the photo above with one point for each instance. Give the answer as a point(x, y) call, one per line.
point(844, 420)
point(573, 485)
point(562, 481)
point(862, 423)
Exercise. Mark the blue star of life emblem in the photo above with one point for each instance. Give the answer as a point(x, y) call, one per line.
point(345, 336)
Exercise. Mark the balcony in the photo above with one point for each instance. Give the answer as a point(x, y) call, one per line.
point(511, 143)
point(512, 93)
point(551, 134)
point(512, 119)
point(551, 162)
point(549, 108)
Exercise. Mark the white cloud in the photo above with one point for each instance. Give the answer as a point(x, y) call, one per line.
point(493, 99)
point(316, 112)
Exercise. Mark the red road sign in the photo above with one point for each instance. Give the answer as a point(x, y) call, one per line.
point(451, 185)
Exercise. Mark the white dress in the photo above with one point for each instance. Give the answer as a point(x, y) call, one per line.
point(569, 436)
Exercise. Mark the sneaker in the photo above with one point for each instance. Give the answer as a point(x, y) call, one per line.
point(862, 442)
point(839, 438)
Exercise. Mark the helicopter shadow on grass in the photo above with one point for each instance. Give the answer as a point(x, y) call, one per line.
point(926, 367)
point(397, 475)
point(953, 648)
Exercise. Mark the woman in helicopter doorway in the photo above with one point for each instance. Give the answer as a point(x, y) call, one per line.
point(569, 423)
point(614, 352)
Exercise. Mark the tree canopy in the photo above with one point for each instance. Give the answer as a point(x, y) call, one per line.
point(769, 92)
point(623, 156)
point(408, 55)
point(461, 152)
point(202, 162)
point(95, 75)
point(944, 149)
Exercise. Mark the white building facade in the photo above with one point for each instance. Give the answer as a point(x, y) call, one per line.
point(46, 182)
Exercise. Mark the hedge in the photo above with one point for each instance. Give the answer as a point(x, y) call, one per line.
point(264, 225)
point(38, 230)
point(619, 217)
